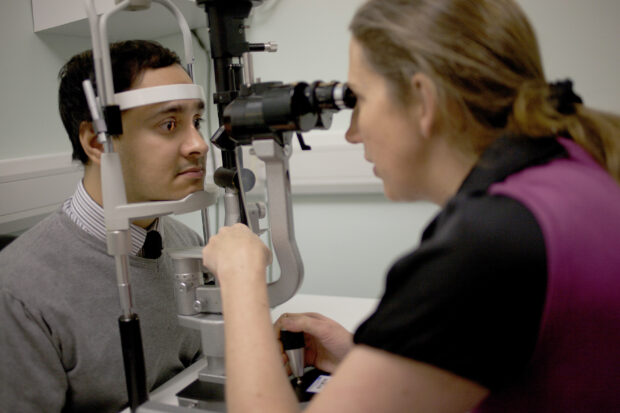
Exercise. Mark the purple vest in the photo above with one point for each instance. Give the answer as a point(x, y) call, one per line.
point(576, 363)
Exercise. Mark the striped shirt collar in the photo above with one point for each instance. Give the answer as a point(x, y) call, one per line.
point(88, 215)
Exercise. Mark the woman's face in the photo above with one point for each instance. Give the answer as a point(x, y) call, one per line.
point(389, 131)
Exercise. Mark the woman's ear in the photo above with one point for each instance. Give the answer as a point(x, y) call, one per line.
point(426, 92)
point(89, 142)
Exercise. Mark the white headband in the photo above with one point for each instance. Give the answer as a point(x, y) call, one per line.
point(156, 94)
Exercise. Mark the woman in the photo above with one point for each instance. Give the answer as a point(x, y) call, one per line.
point(511, 302)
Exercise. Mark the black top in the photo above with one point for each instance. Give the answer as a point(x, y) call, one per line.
point(470, 298)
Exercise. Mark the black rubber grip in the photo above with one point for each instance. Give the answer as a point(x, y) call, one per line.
point(291, 340)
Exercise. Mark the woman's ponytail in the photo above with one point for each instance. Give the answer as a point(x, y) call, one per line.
point(556, 110)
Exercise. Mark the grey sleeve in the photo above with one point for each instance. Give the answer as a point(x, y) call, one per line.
point(32, 378)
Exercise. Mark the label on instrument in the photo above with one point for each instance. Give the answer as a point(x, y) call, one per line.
point(318, 384)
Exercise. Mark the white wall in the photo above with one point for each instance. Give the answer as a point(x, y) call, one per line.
point(579, 39)
point(347, 241)
point(28, 72)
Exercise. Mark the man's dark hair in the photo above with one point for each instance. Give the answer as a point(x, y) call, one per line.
point(129, 60)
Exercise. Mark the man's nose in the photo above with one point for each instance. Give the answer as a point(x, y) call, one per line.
point(195, 144)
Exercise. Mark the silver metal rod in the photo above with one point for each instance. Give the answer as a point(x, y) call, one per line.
point(124, 289)
point(206, 231)
point(248, 69)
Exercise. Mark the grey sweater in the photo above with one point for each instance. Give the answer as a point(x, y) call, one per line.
point(59, 307)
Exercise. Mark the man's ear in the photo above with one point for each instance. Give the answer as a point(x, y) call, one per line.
point(425, 90)
point(89, 142)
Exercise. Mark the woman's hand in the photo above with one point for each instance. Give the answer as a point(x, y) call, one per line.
point(327, 342)
point(236, 253)
point(255, 378)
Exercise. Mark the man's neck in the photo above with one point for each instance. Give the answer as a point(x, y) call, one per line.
point(92, 185)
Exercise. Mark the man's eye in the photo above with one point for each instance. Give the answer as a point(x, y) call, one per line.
point(198, 123)
point(169, 125)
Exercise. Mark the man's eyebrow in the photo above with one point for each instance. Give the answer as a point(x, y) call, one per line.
point(176, 107)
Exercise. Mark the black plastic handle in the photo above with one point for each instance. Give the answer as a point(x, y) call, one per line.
point(133, 359)
point(291, 340)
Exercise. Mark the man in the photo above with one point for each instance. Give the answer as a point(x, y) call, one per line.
point(60, 346)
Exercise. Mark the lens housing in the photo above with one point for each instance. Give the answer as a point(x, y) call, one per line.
point(265, 109)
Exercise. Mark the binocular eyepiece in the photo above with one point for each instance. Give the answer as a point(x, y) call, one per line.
point(330, 96)
point(265, 109)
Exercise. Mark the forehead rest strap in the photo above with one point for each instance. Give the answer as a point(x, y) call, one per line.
point(157, 94)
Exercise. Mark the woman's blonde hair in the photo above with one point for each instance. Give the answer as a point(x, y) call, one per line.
point(484, 59)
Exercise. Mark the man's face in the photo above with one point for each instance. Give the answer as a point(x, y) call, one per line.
point(162, 151)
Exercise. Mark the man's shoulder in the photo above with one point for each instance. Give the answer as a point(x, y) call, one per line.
point(54, 226)
point(37, 234)
point(45, 248)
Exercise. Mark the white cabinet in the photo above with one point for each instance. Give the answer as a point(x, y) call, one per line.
point(68, 17)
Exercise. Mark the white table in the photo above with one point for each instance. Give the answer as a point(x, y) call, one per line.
point(348, 311)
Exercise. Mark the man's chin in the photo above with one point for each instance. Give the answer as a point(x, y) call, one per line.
point(176, 194)
point(191, 190)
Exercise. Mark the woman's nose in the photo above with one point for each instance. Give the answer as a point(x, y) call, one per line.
point(352, 135)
